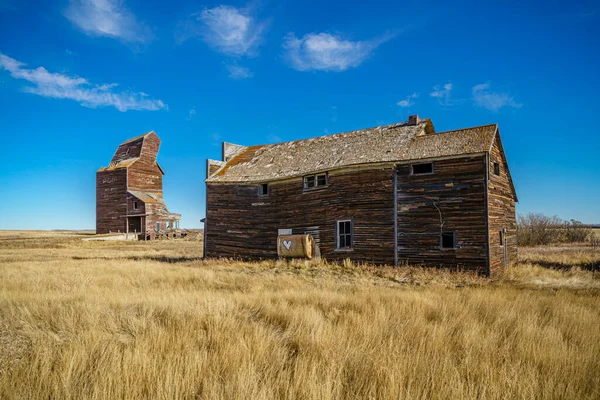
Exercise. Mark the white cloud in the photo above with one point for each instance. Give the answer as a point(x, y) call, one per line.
point(61, 86)
point(327, 52)
point(229, 30)
point(409, 101)
point(215, 139)
point(237, 72)
point(107, 18)
point(493, 101)
point(273, 138)
point(442, 93)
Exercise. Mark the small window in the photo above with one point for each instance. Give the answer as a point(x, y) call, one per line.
point(322, 180)
point(135, 205)
point(448, 240)
point(344, 235)
point(315, 181)
point(263, 189)
point(497, 168)
point(418, 169)
point(501, 235)
point(158, 226)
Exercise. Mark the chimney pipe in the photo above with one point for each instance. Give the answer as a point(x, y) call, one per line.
point(413, 120)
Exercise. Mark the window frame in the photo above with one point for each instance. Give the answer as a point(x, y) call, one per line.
point(453, 240)
point(315, 179)
point(337, 234)
point(412, 169)
point(496, 168)
point(260, 190)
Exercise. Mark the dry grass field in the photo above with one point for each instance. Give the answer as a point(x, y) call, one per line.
point(133, 320)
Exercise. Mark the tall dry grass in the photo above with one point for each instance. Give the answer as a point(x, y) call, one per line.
point(94, 320)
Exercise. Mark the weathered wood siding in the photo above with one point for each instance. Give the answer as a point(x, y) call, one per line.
point(450, 199)
point(131, 199)
point(111, 201)
point(144, 174)
point(240, 223)
point(155, 213)
point(501, 206)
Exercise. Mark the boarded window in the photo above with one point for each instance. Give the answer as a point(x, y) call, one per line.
point(448, 240)
point(496, 168)
point(135, 205)
point(315, 181)
point(418, 169)
point(263, 189)
point(344, 235)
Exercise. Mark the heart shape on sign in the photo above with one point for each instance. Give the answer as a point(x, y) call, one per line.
point(287, 244)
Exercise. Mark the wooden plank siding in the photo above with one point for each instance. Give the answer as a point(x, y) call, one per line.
point(111, 201)
point(240, 223)
point(450, 199)
point(501, 208)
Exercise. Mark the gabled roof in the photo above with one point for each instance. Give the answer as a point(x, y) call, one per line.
point(139, 137)
point(391, 143)
point(155, 198)
point(131, 151)
point(148, 197)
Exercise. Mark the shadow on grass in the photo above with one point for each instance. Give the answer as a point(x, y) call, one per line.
point(163, 259)
point(588, 266)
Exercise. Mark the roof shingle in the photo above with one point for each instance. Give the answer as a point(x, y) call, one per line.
point(391, 143)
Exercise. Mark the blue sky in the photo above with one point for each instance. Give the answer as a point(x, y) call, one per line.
point(78, 77)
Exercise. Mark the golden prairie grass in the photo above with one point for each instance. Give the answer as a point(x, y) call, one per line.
point(128, 320)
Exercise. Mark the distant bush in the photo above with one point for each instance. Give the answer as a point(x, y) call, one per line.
point(536, 229)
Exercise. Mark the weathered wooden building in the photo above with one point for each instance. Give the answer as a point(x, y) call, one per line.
point(129, 192)
point(397, 194)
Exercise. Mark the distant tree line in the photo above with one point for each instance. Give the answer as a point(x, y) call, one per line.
point(534, 229)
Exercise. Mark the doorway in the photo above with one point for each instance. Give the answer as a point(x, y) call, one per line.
point(134, 224)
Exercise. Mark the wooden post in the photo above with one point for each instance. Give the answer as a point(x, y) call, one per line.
point(395, 216)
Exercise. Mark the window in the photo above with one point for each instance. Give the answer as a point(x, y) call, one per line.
point(135, 205)
point(448, 240)
point(315, 181)
point(501, 235)
point(496, 168)
point(263, 189)
point(418, 169)
point(158, 226)
point(344, 235)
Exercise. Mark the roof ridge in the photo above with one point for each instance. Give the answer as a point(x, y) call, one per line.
point(137, 137)
point(464, 129)
point(389, 126)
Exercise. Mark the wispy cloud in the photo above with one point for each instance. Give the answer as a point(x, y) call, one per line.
point(327, 52)
point(408, 101)
point(61, 86)
point(215, 139)
point(273, 138)
point(228, 30)
point(484, 97)
point(192, 113)
point(237, 72)
point(108, 18)
point(442, 93)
